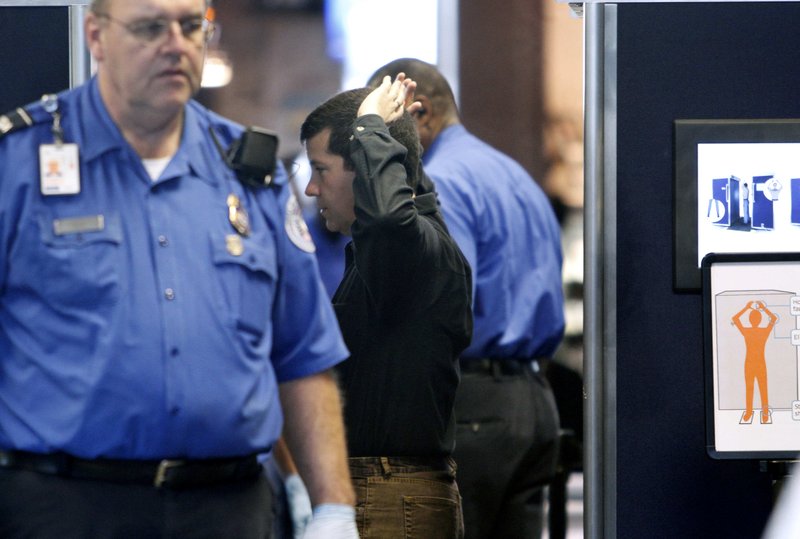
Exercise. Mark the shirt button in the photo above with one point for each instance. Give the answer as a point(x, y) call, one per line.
point(360, 128)
point(162, 241)
point(174, 352)
point(169, 294)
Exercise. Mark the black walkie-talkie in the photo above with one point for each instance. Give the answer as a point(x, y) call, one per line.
point(252, 156)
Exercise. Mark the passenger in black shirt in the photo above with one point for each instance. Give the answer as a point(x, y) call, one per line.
point(403, 307)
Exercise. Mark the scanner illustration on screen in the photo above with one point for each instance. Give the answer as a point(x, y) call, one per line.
point(741, 205)
point(758, 354)
point(755, 363)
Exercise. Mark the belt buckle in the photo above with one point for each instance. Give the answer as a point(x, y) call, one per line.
point(163, 467)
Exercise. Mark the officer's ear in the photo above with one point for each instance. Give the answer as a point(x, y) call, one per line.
point(423, 115)
point(92, 28)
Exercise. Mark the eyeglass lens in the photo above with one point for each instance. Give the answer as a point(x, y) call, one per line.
point(195, 28)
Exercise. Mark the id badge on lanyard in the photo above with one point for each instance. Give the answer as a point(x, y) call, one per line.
point(59, 164)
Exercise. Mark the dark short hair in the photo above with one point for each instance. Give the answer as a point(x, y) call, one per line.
point(339, 115)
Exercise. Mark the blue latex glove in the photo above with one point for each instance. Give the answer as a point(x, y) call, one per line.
point(299, 504)
point(332, 521)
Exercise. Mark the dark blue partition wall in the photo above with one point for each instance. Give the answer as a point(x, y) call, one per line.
point(34, 53)
point(681, 60)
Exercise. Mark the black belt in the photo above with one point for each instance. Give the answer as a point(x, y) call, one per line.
point(505, 367)
point(168, 473)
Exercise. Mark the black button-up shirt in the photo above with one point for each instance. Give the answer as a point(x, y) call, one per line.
point(403, 307)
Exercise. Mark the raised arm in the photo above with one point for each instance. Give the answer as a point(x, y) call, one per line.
point(735, 318)
point(773, 318)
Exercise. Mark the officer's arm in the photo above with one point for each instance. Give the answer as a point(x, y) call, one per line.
point(297, 500)
point(314, 432)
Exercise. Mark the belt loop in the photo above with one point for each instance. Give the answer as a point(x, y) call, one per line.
point(452, 467)
point(387, 470)
point(497, 368)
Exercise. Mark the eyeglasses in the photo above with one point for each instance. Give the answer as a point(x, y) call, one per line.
point(196, 28)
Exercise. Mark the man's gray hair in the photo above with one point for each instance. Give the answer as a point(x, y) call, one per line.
point(97, 6)
point(101, 6)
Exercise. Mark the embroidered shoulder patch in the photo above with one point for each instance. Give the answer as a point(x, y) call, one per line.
point(296, 227)
point(13, 121)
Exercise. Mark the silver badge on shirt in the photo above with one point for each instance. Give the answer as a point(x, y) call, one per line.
point(237, 215)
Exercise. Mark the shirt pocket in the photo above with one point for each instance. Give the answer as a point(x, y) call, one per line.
point(79, 267)
point(247, 270)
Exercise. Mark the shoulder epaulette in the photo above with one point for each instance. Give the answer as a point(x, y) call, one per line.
point(14, 121)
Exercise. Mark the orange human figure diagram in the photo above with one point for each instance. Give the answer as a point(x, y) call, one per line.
point(755, 364)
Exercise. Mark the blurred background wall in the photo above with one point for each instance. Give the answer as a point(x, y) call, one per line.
point(518, 64)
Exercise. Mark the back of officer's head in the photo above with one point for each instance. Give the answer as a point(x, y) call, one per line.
point(430, 81)
point(339, 114)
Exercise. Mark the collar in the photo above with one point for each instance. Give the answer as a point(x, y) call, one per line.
point(445, 135)
point(195, 153)
point(99, 134)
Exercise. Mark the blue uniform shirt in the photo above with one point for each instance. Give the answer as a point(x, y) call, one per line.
point(163, 332)
point(506, 228)
point(330, 250)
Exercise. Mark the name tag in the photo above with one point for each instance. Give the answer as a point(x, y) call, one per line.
point(76, 225)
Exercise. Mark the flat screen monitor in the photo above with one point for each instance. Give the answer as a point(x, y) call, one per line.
point(751, 304)
point(737, 189)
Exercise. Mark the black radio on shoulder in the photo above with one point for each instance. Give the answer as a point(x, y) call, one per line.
point(253, 156)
